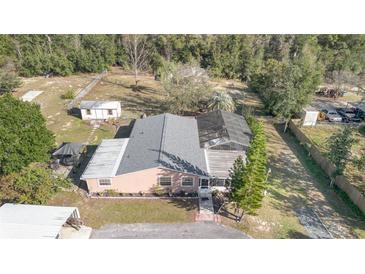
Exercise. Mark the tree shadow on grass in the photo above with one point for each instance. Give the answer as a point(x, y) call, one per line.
point(293, 234)
point(143, 104)
point(76, 172)
point(139, 88)
point(187, 204)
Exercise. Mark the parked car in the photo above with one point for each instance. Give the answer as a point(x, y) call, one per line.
point(349, 115)
point(360, 113)
point(332, 115)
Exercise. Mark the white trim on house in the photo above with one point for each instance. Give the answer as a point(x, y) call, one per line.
point(206, 161)
point(159, 183)
point(104, 185)
point(181, 181)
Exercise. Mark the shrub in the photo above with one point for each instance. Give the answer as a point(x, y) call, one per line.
point(70, 94)
point(223, 101)
point(362, 129)
point(33, 185)
point(158, 190)
point(110, 193)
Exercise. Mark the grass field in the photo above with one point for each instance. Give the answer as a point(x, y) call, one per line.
point(118, 85)
point(320, 136)
point(66, 128)
point(99, 212)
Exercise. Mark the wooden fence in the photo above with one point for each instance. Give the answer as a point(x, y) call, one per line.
point(356, 196)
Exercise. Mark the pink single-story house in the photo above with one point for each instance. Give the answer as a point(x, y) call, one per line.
point(170, 152)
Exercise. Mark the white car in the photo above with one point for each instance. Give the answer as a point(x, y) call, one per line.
point(332, 115)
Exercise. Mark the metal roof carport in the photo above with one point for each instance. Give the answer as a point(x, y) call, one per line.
point(19, 221)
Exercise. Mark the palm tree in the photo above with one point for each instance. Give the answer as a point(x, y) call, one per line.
point(223, 101)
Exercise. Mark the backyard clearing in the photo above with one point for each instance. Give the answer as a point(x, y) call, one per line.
point(320, 136)
point(66, 128)
point(299, 203)
point(99, 212)
point(118, 86)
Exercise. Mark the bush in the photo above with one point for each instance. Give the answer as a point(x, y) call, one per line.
point(70, 94)
point(158, 190)
point(110, 193)
point(362, 129)
point(33, 185)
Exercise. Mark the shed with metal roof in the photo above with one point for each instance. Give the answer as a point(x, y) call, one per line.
point(20, 221)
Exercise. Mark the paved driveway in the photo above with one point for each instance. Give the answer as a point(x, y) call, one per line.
point(198, 230)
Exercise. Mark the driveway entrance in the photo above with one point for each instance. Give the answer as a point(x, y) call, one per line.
point(198, 230)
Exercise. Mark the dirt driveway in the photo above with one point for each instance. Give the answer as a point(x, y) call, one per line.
point(307, 193)
point(198, 230)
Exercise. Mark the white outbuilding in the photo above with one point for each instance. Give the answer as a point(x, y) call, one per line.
point(309, 116)
point(20, 221)
point(31, 95)
point(100, 110)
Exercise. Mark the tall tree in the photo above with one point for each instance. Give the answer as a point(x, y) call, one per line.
point(138, 53)
point(8, 81)
point(24, 137)
point(249, 181)
point(236, 174)
point(187, 87)
point(340, 145)
point(286, 86)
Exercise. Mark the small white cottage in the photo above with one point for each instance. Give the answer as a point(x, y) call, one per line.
point(100, 110)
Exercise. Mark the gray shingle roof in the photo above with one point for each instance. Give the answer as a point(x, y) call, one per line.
point(221, 126)
point(164, 140)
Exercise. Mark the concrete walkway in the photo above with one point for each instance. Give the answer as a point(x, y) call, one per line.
point(206, 209)
point(198, 230)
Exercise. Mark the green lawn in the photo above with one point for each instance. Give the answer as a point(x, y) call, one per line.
point(116, 86)
point(66, 128)
point(99, 212)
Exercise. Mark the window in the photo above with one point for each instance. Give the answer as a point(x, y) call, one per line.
point(187, 181)
point(88, 112)
point(110, 112)
point(165, 181)
point(219, 182)
point(105, 182)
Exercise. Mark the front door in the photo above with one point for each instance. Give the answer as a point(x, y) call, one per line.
point(204, 183)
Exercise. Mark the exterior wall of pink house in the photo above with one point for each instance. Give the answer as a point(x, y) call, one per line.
point(144, 181)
